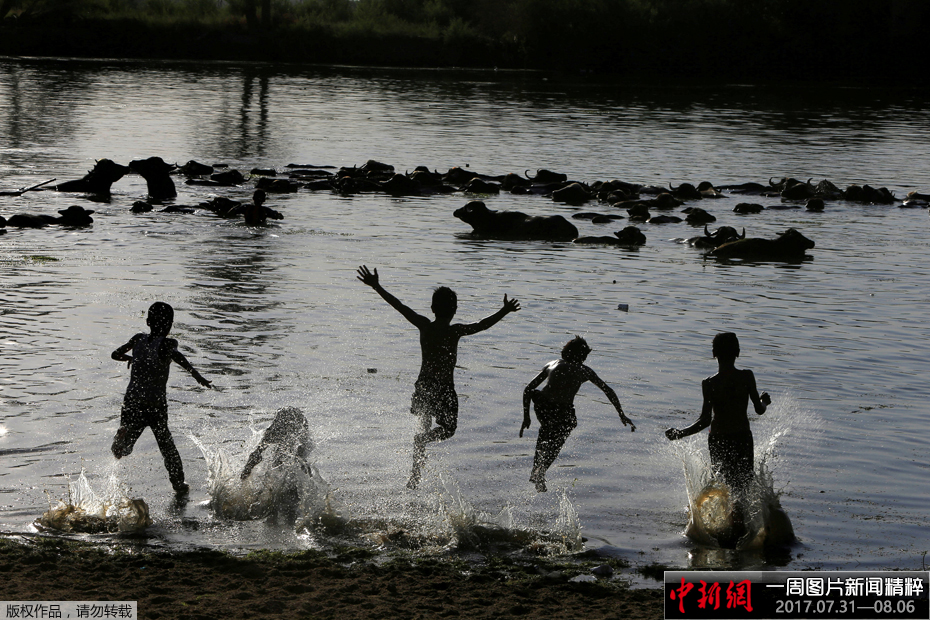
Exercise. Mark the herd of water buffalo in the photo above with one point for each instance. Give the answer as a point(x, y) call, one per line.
point(634, 202)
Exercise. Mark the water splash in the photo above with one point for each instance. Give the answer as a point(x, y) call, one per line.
point(568, 525)
point(449, 522)
point(86, 512)
point(475, 529)
point(284, 486)
point(472, 528)
point(711, 511)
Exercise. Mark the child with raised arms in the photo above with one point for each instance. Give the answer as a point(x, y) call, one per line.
point(434, 396)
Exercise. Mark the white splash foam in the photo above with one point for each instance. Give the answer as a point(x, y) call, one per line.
point(85, 511)
point(283, 486)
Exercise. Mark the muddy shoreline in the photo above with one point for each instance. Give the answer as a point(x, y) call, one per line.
point(349, 583)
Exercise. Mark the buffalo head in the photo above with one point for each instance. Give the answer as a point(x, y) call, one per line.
point(724, 234)
point(547, 176)
point(151, 167)
point(791, 239)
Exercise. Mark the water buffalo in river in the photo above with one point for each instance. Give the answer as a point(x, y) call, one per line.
point(746, 188)
point(98, 180)
point(790, 245)
point(606, 188)
point(748, 207)
point(573, 194)
point(916, 199)
point(72, 216)
point(546, 176)
point(514, 224)
point(459, 177)
point(697, 215)
point(711, 240)
point(707, 190)
point(155, 172)
point(640, 208)
point(869, 194)
point(512, 180)
point(784, 183)
point(195, 169)
point(277, 186)
point(480, 186)
point(664, 219)
point(631, 236)
point(685, 191)
point(798, 191)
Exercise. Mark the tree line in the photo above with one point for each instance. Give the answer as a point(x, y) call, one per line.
point(777, 39)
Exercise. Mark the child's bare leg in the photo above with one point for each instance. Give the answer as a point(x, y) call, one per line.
point(419, 459)
point(125, 439)
point(439, 433)
point(170, 455)
point(548, 445)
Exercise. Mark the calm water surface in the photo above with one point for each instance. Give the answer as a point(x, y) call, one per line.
point(276, 318)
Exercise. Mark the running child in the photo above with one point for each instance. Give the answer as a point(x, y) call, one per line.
point(146, 400)
point(555, 404)
point(726, 399)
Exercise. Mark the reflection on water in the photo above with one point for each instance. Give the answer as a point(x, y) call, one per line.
point(233, 284)
point(275, 317)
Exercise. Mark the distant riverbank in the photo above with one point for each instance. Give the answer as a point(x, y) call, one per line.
point(799, 42)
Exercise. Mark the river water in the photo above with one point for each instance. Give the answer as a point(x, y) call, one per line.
point(275, 317)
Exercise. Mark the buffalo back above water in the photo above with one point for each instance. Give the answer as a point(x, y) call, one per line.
point(789, 245)
point(105, 173)
point(515, 224)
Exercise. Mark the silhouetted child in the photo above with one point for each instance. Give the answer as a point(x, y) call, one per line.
point(555, 404)
point(434, 396)
point(146, 401)
point(255, 213)
point(726, 399)
point(288, 436)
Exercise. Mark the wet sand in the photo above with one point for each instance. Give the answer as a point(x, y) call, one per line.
point(212, 584)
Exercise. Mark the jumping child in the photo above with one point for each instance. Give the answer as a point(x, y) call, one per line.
point(555, 404)
point(146, 400)
point(434, 394)
point(726, 399)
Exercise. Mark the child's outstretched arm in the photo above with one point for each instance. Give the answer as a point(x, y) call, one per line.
point(178, 357)
point(703, 421)
point(611, 396)
point(120, 354)
point(759, 401)
point(510, 305)
point(371, 279)
point(527, 397)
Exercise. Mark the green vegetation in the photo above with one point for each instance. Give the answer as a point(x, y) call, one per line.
point(772, 39)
